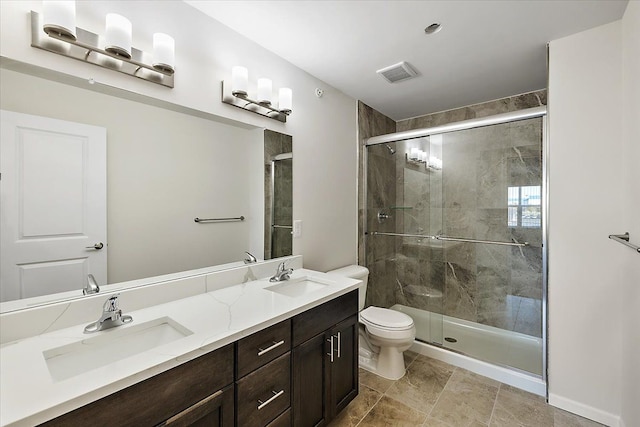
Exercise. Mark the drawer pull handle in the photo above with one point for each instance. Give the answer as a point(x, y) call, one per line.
point(330, 354)
point(276, 394)
point(262, 351)
point(339, 340)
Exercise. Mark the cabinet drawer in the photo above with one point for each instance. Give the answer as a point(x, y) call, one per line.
point(213, 411)
point(284, 420)
point(312, 322)
point(262, 347)
point(158, 398)
point(265, 393)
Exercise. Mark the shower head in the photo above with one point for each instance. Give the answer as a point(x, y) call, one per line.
point(391, 150)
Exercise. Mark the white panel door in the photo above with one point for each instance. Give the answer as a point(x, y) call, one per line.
point(53, 210)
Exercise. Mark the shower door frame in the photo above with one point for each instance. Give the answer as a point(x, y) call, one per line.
point(497, 119)
point(277, 158)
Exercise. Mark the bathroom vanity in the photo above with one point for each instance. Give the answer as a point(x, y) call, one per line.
point(250, 354)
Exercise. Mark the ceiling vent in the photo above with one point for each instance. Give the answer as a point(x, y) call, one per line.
point(398, 72)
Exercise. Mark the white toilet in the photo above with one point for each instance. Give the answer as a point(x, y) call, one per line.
point(384, 334)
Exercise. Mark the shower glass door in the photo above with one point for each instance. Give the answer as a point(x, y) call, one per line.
point(403, 212)
point(454, 239)
point(491, 193)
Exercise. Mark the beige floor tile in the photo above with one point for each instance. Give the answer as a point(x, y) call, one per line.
point(358, 408)
point(433, 422)
point(515, 407)
point(467, 400)
point(409, 357)
point(374, 381)
point(389, 412)
point(566, 419)
point(422, 384)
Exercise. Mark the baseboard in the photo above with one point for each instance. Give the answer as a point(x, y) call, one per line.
point(586, 411)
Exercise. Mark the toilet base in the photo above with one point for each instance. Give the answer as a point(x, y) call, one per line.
point(386, 362)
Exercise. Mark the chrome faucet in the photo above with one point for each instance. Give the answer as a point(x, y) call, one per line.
point(111, 317)
point(282, 273)
point(250, 259)
point(91, 287)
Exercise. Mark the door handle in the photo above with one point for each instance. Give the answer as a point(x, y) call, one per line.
point(97, 246)
point(339, 342)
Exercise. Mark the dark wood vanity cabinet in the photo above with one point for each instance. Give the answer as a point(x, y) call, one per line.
point(300, 372)
point(200, 388)
point(325, 361)
point(263, 377)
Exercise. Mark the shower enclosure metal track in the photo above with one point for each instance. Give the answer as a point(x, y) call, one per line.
point(449, 239)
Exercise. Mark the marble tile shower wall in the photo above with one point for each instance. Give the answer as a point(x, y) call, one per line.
point(380, 253)
point(277, 143)
point(493, 285)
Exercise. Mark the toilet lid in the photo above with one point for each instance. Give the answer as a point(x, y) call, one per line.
point(386, 318)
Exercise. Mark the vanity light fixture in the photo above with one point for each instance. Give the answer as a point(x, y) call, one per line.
point(238, 96)
point(55, 31)
point(118, 35)
point(418, 157)
point(264, 91)
point(59, 17)
point(164, 52)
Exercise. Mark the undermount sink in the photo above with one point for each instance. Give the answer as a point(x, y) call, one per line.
point(115, 344)
point(298, 287)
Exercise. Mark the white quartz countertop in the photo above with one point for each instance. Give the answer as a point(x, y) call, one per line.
point(29, 394)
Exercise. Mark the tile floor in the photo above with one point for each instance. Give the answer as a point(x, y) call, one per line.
point(433, 393)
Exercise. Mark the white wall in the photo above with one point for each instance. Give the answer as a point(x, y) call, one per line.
point(323, 129)
point(631, 286)
point(590, 276)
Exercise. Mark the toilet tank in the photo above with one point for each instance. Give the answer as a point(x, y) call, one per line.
point(357, 272)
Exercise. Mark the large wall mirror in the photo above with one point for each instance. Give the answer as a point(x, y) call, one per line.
point(163, 169)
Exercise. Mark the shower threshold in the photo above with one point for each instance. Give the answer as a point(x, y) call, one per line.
point(483, 342)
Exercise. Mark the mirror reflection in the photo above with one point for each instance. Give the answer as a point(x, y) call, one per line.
point(138, 174)
point(278, 194)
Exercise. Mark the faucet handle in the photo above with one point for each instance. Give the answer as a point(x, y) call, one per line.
point(282, 266)
point(111, 304)
point(250, 259)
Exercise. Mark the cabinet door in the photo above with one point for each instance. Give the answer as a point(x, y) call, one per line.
point(310, 382)
point(344, 367)
point(213, 411)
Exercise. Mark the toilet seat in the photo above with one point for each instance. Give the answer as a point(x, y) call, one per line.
point(384, 318)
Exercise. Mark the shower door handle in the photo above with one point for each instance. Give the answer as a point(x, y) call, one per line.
point(330, 354)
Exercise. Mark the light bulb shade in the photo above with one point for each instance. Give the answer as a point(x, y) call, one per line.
point(239, 81)
point(285, 100)
point(118, 35)
point(264, 91)
point(414, 153)
point(59, 17)
point(164, 51)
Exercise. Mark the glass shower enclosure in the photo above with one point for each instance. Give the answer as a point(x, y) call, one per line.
point(454, 237)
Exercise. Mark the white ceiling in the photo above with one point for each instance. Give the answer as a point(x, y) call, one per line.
point(486, 49)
